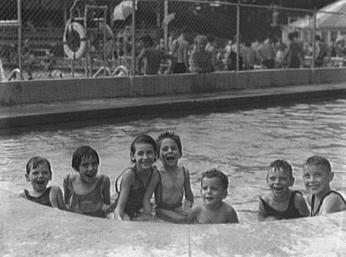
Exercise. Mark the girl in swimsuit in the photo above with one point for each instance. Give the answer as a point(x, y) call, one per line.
point(170, 183)
point(135, 179)
point(85, 191)
point(39, 173)
point(281, 202)
point(317, 175)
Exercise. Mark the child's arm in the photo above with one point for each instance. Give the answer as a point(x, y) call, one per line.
point(125, 186)
point(332, 203)
point(106, 194)
point(261, 211)
point(66, 189)
point(56, 198)
point(187, 187)
point(301, 205)
point(193, 214)
point(149, 192)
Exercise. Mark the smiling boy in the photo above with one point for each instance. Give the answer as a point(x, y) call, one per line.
point(214, 210)
point(317, 175)
point(39, 173)
point(281, 202)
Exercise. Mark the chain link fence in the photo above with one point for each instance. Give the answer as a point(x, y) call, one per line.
point(90, 38)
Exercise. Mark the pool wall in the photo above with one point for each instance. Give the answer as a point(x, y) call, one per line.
point(47, 91)
point(29, 229)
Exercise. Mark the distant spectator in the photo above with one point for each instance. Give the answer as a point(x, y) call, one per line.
point(294, 55)
point(321, 51)
point(201, 60)
point(231, 59)
point(249, 56)
point(280, 56)
point(180, 47)
point(152, 57)
point(211, 47)
point(266, 52)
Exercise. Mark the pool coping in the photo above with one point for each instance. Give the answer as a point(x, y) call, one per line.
point(30, 115)
point(29, 229)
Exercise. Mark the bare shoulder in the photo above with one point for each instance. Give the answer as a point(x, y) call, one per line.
point(267, 197)
point(105, 179)
point(55, 190)
point(231, 213)
point(335, 199)
point(22, 193)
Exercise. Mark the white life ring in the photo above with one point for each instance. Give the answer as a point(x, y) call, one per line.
point(74, 55)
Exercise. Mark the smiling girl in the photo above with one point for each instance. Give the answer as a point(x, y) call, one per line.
point(86, 192)
point(135, 179)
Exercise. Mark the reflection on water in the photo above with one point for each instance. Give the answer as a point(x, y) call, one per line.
point(241, 143)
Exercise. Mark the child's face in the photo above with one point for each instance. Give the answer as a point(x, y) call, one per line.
point(144, 156)
point(279, 182)
point(200, 45)
point(88, 168)
point(212, 191)
point(169, 152)
point(317, 178)
point(39, 177)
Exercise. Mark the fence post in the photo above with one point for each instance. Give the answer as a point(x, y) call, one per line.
point(20, 38)
point(133, 36)
point(238, 37)
point(165, 26)
point(313, 40)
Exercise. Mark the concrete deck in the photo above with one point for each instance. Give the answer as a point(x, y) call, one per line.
point(29, 229)
point(21, 116)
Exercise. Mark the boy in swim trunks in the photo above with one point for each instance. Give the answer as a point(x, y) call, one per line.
point(317, 175)
point(214, 210)
point(281, 202)
point(39, 173)
point(171, 183)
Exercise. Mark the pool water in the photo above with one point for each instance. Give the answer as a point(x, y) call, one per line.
point(241, 143)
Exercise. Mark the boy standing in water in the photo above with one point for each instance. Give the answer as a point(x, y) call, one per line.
point(214, 186)
point(171, 182)
point(39, 173)
point(317, 175)
point(281, 202)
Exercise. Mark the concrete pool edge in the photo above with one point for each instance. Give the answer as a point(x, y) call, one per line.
point(28, 229)
point(22, 116)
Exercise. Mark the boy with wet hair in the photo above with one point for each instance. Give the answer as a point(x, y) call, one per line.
point(281, 202)
point(39, 173)
point(317, 175)
point(214, 185)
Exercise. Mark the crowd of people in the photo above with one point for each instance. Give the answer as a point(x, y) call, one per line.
point(87, 192)
point(206, 54)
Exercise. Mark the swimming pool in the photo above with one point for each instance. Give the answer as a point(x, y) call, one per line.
point(241, 143)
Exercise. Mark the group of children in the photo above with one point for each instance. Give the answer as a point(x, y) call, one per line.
point(87, 192)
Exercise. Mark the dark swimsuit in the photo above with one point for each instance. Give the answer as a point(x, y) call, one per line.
point(42, 199)
point(290, 213)
point(315, 213)
point(135, 198)
point(158, 195)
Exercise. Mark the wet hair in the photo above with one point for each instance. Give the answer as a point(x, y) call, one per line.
point(317, 160)
point(215, 173)
point(282, 164)
point(170, 135)
point(83, 152)
point(142, 139)
point(35, 161)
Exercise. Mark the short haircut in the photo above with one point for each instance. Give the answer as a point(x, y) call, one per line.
point(282, 164)
point(215, 173)
point(83, 152)
point(142, 139)
point(201, 38)
point(172, 136)
point(35, 161)
point(317, 160)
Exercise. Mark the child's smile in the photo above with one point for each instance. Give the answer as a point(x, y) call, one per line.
point(279, 182)
point(212, 191)
point(316, 179)
point(144, 156)
point(39, 177)
point(88, 169)
point(169, 152)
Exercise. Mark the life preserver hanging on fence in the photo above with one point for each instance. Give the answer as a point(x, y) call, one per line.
point(74, 40)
